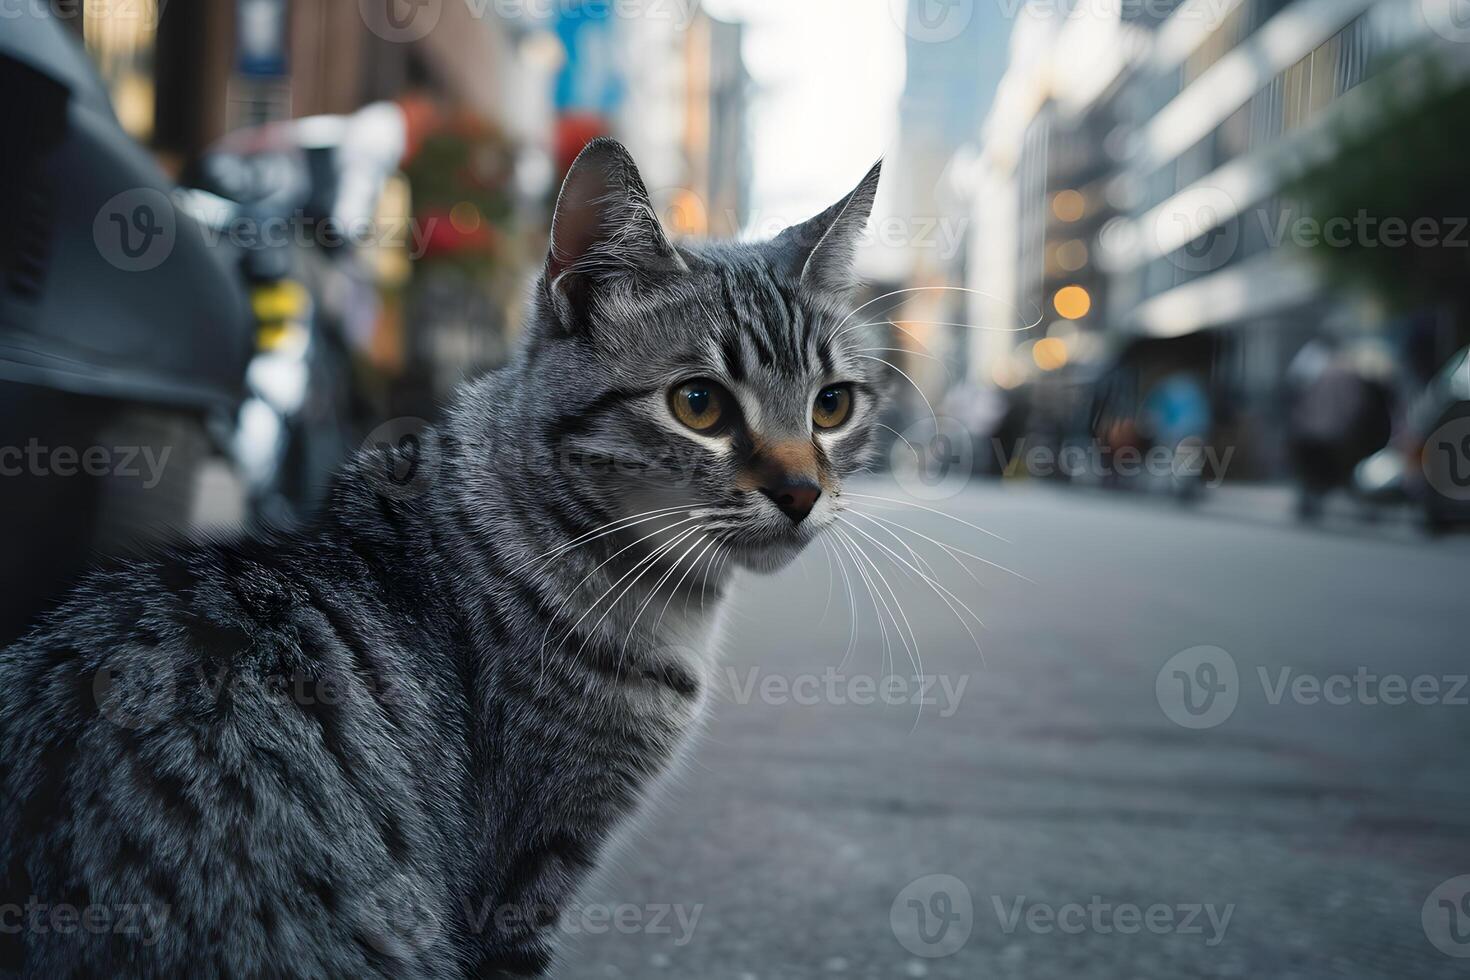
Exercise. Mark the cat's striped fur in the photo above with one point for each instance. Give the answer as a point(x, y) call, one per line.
point(393, 742)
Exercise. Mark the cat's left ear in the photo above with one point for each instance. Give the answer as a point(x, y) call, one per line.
point(822, 250)
point(604, 231)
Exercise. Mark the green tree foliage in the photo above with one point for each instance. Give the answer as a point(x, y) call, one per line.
point(1401, 178)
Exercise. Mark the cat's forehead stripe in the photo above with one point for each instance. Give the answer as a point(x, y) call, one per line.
point(746, 326)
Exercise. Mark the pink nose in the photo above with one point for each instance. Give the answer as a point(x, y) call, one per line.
point(795, 499)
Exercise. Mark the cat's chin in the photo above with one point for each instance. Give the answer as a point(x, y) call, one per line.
point(767, 559)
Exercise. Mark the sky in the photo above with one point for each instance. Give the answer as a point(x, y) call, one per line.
point(829, 80)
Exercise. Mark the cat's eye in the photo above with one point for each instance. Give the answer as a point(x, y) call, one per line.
point(832, 407)
point(701, 404)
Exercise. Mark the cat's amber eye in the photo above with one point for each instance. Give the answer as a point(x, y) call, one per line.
point(832, 407)
point(701, 404)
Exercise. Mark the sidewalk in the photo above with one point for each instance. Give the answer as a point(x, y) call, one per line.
point(1275, 504)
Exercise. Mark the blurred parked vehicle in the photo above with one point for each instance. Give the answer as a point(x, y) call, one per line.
point(295, 206)
point(1438, 473)
point(123, 336)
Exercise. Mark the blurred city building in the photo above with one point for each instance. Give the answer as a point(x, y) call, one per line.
point(1136, 200)
point(951, 71)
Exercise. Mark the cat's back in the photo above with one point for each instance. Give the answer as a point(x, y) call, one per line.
point(206, 767)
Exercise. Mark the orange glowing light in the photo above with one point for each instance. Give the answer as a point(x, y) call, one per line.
point(1069, 206)
point(1073, 302)
point(1050, 354)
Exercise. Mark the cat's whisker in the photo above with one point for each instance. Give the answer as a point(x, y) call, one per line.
point(851, 608)
point(944, 593)
point(897, 326)
point(930, 580)
point(725, 560)
point(951, 550)
point(715, 559)
point(918, 559)
point(556, 614)
point(948, 374)
point(642, 568)
point(915, 657)
point(959, 289)
point(911, 641)
point(827, 606)
point(611, 527)
point(658, 623)
point(930, 510)
point(904, 374)
point(653, 592)
point(901, 438)
point(607, 561)
point(929, 323)
point(847, 543)
point(897, 350)
point(951, 554)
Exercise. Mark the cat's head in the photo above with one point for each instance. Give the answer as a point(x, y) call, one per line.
point(728, 379)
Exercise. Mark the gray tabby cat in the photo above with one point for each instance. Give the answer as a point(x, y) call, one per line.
point(393, 743)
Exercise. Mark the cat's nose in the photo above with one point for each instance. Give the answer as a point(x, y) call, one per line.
point(796, 498)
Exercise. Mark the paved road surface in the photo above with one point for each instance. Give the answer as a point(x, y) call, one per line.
point(1085, 832)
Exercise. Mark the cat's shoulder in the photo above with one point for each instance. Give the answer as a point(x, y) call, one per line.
point(184, 619)
point(154, 754)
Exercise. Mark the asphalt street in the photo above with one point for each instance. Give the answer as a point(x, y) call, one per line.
point(1189, 746)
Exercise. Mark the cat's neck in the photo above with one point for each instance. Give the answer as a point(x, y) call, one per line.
point(590, 583)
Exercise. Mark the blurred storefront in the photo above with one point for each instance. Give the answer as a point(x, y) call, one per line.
point(497, 100)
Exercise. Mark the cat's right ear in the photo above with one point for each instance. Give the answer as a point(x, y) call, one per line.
point(604, 233)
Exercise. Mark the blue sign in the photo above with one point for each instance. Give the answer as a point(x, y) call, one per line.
point(590, 81)
point(261, 37)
